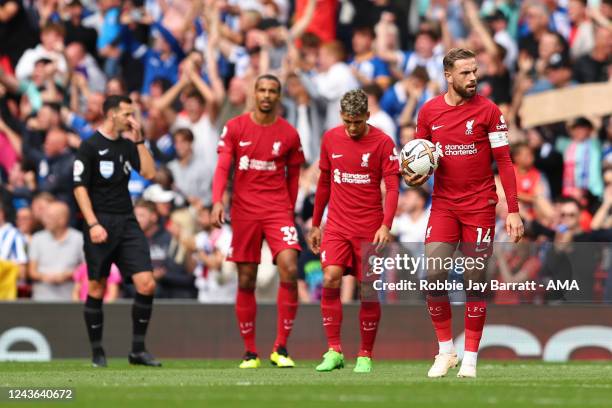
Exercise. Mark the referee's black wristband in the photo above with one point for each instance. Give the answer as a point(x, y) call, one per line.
point(140, 142)
point(93, 225)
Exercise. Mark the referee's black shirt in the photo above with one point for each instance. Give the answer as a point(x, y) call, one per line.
point(103, 166)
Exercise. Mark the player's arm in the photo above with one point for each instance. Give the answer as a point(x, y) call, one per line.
point(391, 169)
point(222, 171)
point(145, 163)
point(294, 164)
point(82, 176)
point(321, 198)
point(422, 132)
point(498, 138)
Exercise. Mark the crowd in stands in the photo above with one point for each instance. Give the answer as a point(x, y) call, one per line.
point(190, 66)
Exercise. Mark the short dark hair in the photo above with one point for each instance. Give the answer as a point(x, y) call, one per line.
point(195, 94)
point(113, 102)
point(373, 90)
point(517, 147)
point(569, 200)
point(366, 30)
point(420, 73)
point(456, 54)
point(268, 77)
point(149, 205)
point(185, 133)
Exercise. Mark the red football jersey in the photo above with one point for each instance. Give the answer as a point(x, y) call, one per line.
point(467, 134)
point(261, 155)
point(356, 168)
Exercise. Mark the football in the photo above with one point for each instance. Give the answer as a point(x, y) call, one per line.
point(419, 156)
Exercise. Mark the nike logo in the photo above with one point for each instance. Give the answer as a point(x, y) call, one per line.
point(481, 249)
point(96, 326)
point(436, 314)
point(335, 156)
point(143, 321)
point(327, 324)
point(244, 144)
point(102, 152)
point(288, 327)
point(246, 331)
point(469, 315)
point(436, 127)
point(369, 328)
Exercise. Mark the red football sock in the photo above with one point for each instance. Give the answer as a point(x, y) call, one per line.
point(331, 310)
point(475, 315)
point(369, 316)
point(246, 309)
point(286, 304)
point(440, 313)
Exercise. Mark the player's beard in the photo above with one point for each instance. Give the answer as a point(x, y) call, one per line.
point(465, 92)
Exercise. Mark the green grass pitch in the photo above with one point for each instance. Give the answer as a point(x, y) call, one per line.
point(218, 383)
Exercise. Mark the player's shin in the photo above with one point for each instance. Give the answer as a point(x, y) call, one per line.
point(246, 310)
point(439, 309)
point(94, 320)
point(369, 317)
point(475, 315)
point(331, 311)
point(141, 314)
point(287, 303)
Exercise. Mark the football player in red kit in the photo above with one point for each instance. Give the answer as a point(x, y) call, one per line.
point(472, 132)
point(267, 156)
point(355, 158)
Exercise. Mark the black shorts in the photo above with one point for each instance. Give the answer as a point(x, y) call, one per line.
point(126, 246)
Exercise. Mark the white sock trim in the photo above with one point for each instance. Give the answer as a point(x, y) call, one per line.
point(447, 347)
point(470, 358)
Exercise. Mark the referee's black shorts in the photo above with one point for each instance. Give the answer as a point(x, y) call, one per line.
point(126, 246)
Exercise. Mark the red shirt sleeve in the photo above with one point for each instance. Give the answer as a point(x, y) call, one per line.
point(321, 197)
point(498, 138)
point(390, 158)
point(225, 150)
point(296, 154)
point(324, 163)
point(422, 127)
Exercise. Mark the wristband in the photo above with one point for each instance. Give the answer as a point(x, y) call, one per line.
point(139, 142)
point(93, 225)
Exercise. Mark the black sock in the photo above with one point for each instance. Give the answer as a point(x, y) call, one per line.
point(94, 320)
point(141, 313)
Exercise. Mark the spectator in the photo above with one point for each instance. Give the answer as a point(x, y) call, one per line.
point(366, 66)
point(378, 117)
point(192, 177)
point(537, 18)
point(80, 62)
point(580, 172)
point(410, 222)
point(331, 82)
point(16, 32)
point(603, 217)
point(9, 273)
point(548, 160)
point(532, 188)
point(303, 114)
point(161, 61)
point(174, 281)
point(581, 38)
point(216, 279)
point(51, 47)
point(76, 31)
point(403, 100)
point(87, 124)
point(24, 221)
point(594, 67)
point(499, 25)
point(12, 244)
point(55, 253)
point(81, 280)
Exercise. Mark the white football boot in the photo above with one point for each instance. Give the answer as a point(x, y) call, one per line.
point(443, 362)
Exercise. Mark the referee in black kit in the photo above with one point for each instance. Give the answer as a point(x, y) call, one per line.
point(112, 235)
